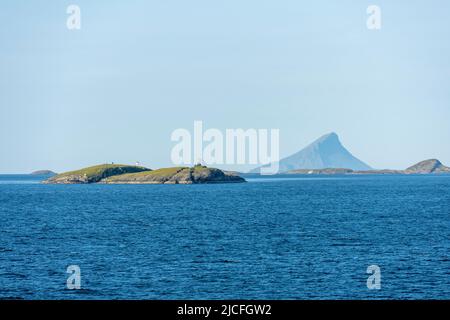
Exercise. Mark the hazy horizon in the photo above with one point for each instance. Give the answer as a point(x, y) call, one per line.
point(224, 166)
point(116, 89)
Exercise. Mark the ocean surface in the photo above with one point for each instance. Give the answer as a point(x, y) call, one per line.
point(299, 237)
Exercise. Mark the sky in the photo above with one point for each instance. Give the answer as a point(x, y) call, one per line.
point(116, 89)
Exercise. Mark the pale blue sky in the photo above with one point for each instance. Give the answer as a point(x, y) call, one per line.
point(137, 70)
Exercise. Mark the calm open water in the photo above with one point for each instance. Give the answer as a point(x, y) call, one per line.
point(299, 238)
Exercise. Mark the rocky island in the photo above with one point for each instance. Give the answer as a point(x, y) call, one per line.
point(432, 166)
point(428, 166)
point(125, 174)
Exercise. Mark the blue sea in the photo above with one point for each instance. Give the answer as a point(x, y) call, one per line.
point(297, 237)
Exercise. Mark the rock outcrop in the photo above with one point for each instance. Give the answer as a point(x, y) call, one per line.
point(428, 166)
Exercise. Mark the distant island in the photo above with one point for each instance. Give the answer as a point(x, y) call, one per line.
point(125, 174)
point(432, 166)
point(43, 173)
point(327, 155)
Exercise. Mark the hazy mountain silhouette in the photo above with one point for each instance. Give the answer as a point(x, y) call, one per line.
point(325, 152)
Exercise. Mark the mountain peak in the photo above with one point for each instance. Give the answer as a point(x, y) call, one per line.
point(329, 137)
point(325, 152)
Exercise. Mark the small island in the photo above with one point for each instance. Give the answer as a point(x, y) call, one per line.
point(126, 174)
point(43, 173)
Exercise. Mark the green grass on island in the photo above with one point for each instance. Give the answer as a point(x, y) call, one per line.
point(163, 172)
point(117, 173)
point(99, 172)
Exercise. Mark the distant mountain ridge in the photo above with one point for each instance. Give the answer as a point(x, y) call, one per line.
point(431, 166)
point(325, 152)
